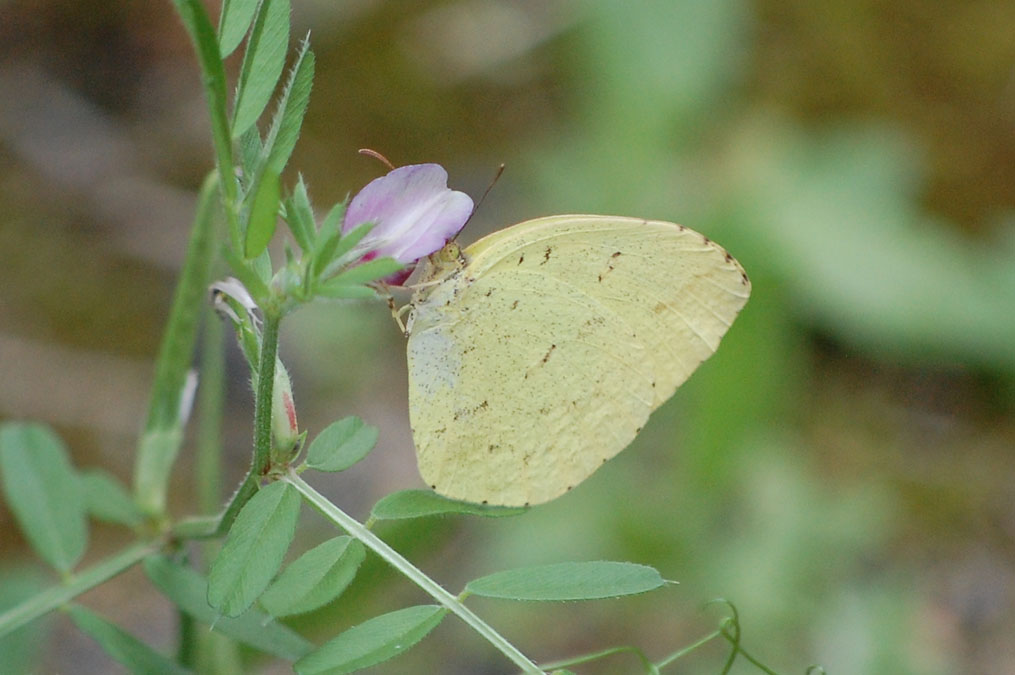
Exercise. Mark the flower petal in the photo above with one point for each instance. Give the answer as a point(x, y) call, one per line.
point(413, 209)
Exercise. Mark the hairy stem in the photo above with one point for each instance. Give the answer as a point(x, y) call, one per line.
point(262, 400)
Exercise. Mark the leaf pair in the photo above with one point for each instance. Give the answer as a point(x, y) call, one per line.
point(253, 554)
point(385, 637)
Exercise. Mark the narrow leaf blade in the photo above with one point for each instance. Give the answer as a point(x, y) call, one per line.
point(345, 292)
point(299, 214)
point(263, 215)
point(262, 63)
point(342, 444)
point(285, 127)
point(420, 503)
point(315, 578)
point(122, 646)
point(373, 641)
point(568, 581)
point(44, 493)
point(234, 23)
point(254, 549)
point(107, 500)
point(364, 273)
point(188, 590)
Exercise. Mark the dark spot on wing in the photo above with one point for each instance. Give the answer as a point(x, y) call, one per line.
point(433, 487)
point(521, 258)
point(743, 278)
point(546, 255)
point(615, 255)
point(569, 488)
point(514, 304)
point(485, 502)
point(638, 430)
point(706, 239)
point(489, 293)
point(550, 351)
point(729, 258)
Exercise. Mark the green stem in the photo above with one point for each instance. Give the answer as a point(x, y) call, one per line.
point(263, 395)
point(52, 598)
point(210, 403)
point(393, 558)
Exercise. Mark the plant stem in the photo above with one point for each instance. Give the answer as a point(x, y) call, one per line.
point(52, 598)
point(262, 400)
point(393, 558)
point(210, 403)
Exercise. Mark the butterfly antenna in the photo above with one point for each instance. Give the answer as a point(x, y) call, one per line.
point(496, 177)
point(378, 156)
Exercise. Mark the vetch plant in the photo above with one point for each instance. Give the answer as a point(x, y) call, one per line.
point(356, 251)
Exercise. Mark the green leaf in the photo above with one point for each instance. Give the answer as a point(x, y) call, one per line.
point(372, 270)
point(188, 590)
point(292, 106)
point(263, 215)
point(159, 444)
point(419, 503)
point(372, 642)
point(344, 291)
point(300, 216)
point(342, 444)
point(568, 581)
point(254, 549)
point(234, 23)
point(44, 493)
point(244, 271)
point(262, 63)
point(122, 646)
point(106, 499)
point(251, 149)
point(333, 244)
point(315, 578)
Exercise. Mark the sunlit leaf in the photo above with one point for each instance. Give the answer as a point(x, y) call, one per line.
point(419, 503)
point(341, 444)
point(374, 641)
point(44, 493)
point(568, 581)
point(188, 590)
point(315, 578)
point(254, 549)
point(122, 646)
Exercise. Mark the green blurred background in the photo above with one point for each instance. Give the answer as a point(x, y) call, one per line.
point(842, 469)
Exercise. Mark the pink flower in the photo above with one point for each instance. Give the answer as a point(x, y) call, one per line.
point(413, 211)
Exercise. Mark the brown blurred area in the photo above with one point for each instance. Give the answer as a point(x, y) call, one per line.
point(104, 140)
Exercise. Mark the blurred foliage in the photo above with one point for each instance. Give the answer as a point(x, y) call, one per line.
point(841, 469)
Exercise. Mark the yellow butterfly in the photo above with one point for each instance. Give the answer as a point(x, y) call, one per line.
point(538, 352)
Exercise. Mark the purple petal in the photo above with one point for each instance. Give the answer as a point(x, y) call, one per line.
point(414, 211)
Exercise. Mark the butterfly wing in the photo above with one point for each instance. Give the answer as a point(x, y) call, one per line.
point(546, 354)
